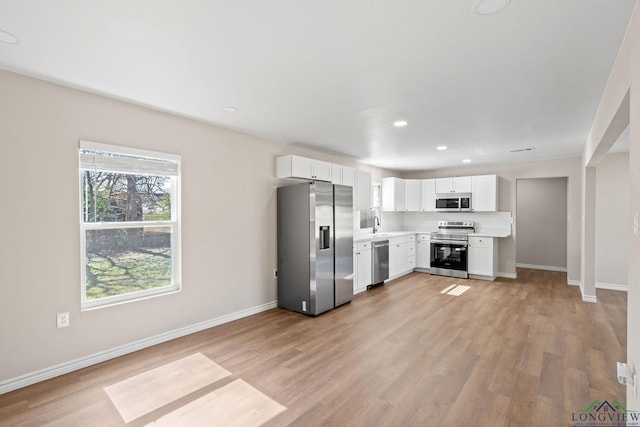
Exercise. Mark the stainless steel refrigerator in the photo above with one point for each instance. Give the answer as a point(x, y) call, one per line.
point(315, 247)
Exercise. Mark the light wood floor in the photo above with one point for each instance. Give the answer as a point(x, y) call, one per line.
point(525, 352)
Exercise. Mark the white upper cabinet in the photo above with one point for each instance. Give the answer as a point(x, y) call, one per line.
point(420, 194)
point(336, 174)
point(456, 184)
point(302, 167)
point(412, 195)
point(393, 194)
point(361, 191)
point(401, 194)
point(358, 180)
point(484, 191)
point(348, 176)
point(320, 170)
point(428, 195)
point(462, 184)
point(444, 185)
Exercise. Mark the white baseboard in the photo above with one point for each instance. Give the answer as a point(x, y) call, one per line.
point(542, 267)
point(508, 275)
point(73, 365)
point(612, 287)
point(585, 298)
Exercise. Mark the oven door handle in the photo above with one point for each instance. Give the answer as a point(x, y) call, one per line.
point(449, 242)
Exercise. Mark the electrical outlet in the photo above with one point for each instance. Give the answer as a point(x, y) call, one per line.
point(62, 320)
point(275, 273)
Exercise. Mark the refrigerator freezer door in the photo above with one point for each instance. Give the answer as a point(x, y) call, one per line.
point(343, 247)
point(294, 266)
point(321, 284)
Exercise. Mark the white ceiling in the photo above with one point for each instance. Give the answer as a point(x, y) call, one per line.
point(335, 74)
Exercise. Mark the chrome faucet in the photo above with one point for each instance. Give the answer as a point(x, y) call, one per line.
point(375, 219)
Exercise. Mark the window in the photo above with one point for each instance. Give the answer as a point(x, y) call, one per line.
point(129, 224)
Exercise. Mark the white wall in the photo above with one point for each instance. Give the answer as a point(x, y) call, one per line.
point(228, 222)
point(613, 220)
point(619, 107)
point(508, 174)
point(541, 208)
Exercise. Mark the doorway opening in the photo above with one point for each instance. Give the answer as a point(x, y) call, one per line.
point(541, 223)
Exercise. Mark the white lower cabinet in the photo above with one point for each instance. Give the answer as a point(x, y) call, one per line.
point(423, 251)
point(483, 257)
point(402, 256)
point(411, 254)
point(361, 266)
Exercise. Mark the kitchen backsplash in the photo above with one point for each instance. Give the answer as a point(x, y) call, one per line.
point(428, 221)
point(498, 222)
point(392, 221)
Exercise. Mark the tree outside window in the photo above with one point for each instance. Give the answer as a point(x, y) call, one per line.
point(129, 225)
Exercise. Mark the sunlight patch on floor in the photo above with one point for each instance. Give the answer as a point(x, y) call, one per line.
point(455, 290)
point(235, 404)
point(146, 392)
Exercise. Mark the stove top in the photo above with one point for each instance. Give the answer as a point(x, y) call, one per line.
point(453, 230)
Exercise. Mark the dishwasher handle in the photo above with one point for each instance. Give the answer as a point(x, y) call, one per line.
point(381, 244)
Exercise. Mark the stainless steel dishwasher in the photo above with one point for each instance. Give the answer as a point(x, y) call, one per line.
point(380, 262)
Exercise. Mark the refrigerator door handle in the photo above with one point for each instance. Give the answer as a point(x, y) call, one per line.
point(325, 237)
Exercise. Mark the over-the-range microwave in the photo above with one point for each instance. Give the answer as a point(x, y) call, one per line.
point(453, 202)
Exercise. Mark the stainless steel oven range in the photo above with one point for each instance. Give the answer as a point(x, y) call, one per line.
point(449, 248)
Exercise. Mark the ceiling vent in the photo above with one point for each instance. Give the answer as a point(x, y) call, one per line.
point(520, 150)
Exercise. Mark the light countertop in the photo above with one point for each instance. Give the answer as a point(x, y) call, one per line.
point(491, 234)
point(383, 235)
point(498, 233)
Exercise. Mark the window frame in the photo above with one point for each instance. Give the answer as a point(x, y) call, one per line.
point(174, 225)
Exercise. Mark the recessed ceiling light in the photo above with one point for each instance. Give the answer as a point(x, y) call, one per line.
point(466, 161)
point(441, 147)
point(400, 123)
point(489, 7)
point(229, 109)
point(7, 37)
